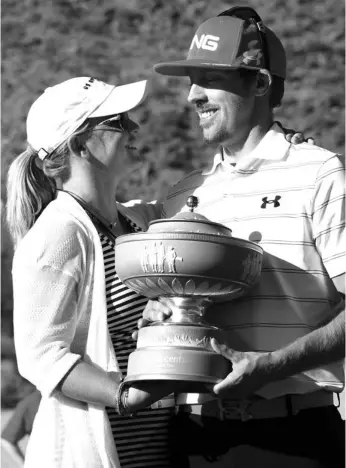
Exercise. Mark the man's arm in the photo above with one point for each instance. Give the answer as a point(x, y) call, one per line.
point(322, 346)
point(252, 370)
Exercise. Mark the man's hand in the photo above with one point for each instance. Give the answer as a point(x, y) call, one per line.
point(253, 370)
point(249, 372)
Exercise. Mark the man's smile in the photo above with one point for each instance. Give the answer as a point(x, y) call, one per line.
point(206, 114)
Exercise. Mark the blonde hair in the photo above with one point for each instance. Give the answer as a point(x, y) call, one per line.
point(31, 188)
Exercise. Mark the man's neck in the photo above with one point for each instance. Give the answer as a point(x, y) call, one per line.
point(235, 152)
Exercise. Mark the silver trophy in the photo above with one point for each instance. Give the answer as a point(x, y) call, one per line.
point(194, 262)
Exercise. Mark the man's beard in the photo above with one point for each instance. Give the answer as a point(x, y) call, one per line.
point(217, 138)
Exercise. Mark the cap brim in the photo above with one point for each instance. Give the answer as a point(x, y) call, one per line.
point(122, 99)
point(184, 67)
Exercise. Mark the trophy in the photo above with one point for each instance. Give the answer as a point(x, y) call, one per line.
point(194, 262)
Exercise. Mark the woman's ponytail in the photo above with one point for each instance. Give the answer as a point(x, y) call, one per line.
point(29, 190)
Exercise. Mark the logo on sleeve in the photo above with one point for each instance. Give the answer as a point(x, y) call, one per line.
point(205, 41)
point(88, 83)
point(275, 202)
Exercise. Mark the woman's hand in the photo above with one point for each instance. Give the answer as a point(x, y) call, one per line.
point(155, 311)
point(143, 394)
point(296, 137)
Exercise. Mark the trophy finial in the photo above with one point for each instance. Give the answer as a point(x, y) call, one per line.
point(192, 202)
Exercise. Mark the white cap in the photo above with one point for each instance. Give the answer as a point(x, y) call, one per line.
point(61, 109)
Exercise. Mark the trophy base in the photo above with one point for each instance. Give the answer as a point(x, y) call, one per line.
point(178, 352)
point(192, 369)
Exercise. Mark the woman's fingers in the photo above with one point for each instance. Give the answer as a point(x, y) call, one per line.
point(157, 311)
point(297, 137)
point(140, 324)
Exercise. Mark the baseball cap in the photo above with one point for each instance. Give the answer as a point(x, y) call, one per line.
point(62, 108)
point(226, 43)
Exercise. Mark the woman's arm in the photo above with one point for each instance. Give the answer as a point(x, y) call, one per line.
point(85, 382)
point(45, 325)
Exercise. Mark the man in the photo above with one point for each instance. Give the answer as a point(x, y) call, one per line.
point(286, 338)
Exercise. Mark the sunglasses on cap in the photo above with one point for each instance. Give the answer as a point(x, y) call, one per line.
point(249, 14)
point(119, 122)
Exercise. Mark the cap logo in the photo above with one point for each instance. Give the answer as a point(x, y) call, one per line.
point(205, 41)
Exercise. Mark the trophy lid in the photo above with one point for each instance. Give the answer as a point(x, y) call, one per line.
point(189, 221)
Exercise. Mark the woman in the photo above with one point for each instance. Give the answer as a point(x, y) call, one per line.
point(73, 317)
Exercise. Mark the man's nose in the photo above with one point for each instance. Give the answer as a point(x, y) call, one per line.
point(197, 93)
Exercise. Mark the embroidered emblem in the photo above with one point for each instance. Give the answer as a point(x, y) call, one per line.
point(206, 41)
point(252, 57)
point(268, 202)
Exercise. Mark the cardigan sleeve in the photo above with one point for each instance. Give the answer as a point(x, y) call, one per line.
point(46, 281)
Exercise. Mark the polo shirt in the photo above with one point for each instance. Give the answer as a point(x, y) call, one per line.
point(290, 200)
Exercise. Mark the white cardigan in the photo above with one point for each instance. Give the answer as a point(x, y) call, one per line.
point(60, 317)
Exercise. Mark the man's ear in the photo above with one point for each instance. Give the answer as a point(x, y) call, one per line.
point(263, 82)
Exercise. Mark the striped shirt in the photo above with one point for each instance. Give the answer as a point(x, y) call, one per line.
point(289, 199)
point(141, 441)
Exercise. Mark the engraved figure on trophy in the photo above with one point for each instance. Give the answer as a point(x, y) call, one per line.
point(212, 266)
point(145, 259)
point(247, 264)
point(153, 257)
point(250, 268)
point(161, 258)
point(172, 257)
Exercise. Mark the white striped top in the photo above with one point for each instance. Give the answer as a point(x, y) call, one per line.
point(290, 199)
point(141, 441)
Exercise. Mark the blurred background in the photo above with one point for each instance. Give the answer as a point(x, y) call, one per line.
point(45, 42)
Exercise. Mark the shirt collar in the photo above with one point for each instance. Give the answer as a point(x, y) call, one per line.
point(272, 147)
